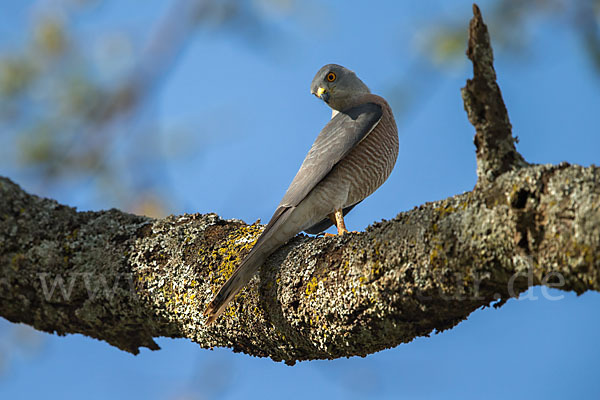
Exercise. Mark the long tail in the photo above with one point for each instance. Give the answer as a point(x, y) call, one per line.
point(269, 241)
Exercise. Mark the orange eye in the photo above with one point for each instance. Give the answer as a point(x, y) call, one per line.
point(331, 77)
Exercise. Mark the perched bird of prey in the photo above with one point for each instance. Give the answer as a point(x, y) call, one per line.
point(352, 156)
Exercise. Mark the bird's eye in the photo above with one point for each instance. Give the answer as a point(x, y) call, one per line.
point(331, 77)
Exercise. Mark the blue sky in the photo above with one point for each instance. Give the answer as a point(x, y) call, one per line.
point(254, 119)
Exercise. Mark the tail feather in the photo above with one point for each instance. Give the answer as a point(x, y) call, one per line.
point(241, 276)
point(266, 244)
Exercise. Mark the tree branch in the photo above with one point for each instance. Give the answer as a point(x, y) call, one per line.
point(496, 152)
point(126, 279)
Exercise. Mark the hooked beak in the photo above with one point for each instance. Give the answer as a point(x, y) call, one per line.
point(323, 94)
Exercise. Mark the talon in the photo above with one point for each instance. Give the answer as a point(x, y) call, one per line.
point(338, 219)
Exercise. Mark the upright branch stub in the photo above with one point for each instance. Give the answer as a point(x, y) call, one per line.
point(496, 152)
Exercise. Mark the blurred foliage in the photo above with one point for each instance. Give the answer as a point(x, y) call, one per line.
point(511, 24)
point(66, 102)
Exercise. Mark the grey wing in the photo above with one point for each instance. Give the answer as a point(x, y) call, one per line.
point(335, 141)
point(339, 136)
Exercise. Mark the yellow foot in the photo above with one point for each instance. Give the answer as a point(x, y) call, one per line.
point(339, 233)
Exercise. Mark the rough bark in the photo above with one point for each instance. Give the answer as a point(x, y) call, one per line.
point(127, 279)
point(496, 152)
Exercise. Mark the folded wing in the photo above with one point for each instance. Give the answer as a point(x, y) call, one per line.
point(335, 141)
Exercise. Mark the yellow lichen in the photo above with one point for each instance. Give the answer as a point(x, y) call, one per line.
point(311, 286)
point(227, 256)
point(17, 260)
point(464, 204)
point(512, 197)
point(73, 234)
point(376, 269)
point(436, 256)
point(445, 210)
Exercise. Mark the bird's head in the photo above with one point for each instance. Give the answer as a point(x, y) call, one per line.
point(337, 86)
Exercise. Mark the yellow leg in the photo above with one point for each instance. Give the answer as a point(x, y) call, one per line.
point(338, 220)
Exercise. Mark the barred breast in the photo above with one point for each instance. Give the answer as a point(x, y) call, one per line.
point(363, 170)
point(371, 162)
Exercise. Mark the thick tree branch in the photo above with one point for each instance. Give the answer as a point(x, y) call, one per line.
point(126, 279)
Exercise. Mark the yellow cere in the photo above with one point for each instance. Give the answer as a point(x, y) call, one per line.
point(320, 91)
